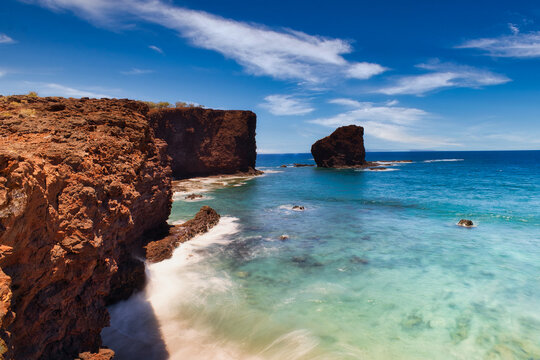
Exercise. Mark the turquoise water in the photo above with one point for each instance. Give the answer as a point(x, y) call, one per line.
point(374, 268)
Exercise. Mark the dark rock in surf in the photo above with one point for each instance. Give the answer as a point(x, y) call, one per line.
point(193, 196)
point(162, 249)
point(465, 223)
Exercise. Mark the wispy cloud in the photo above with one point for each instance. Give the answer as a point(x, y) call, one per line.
point(4, 39)
point(364, 70)
point(136, 71)
point(53, 89)
point(513, 28)
point(442, 76)
point(517, 45)
point(156, 49)
point(383, 121)
point(286, 105)
point(282, 54)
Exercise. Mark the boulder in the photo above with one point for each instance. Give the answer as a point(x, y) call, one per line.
point(465, 223)
point(193, 196)
point(343, 148)
point(298, 208)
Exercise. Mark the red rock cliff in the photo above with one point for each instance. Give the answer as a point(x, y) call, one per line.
point(205, 142)
point(81, 181)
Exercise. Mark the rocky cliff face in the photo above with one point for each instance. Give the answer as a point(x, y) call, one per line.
point(81, 181)
point(343, 148)
point(205, 142)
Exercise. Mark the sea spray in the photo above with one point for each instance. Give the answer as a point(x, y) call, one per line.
point(192, 310)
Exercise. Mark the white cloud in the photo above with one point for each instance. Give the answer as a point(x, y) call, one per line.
point(517, 45)
point(156, 49)
point(286, 105)
point(443, 76)
point(283, 54)
point(387, 122)
point(364, 70)
point(52, 89)
point(4, 39)
point(513, 28)
point(136, 71)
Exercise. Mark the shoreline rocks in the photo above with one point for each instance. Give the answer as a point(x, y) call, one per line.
point(193, 196)
point(163, 248)
point(85, 185)
point(344, 148)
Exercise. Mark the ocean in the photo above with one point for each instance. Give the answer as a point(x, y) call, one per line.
point(375, 267)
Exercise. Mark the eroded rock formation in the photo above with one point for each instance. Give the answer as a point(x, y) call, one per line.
point(85, 185)
point(343, 148)
point(204, 142)
point(81, 181)
point(162, 249)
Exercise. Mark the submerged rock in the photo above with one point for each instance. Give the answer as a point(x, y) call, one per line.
point(359, 260)
point(283, 166)
point(298, 208)
point(465, 223)
point(284, 237)
point(343, 148)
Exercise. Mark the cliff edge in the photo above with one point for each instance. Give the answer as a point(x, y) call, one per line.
point(204, 142)
point(81, 181)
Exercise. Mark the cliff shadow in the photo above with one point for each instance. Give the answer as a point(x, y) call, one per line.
point(134, 332)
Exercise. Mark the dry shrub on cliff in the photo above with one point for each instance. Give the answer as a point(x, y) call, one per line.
point(165, 105)
point(158, 105)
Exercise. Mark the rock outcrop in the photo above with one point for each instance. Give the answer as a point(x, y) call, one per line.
point(162, 249)
point(204, 142)
point(343, 148)
point(81, 182)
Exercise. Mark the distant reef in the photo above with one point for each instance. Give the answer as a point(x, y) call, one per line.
point(85, 185)
point(341, 149)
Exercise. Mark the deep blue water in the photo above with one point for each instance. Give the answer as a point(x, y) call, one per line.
point(374, 268)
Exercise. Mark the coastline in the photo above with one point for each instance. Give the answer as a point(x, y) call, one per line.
point(99, 171)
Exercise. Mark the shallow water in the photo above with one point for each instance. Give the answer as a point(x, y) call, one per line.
point(374, 268)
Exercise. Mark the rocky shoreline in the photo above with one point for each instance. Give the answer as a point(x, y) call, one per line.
point(85, 186)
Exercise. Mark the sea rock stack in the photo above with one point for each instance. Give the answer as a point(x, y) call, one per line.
point(205, 142)
point(343, 148)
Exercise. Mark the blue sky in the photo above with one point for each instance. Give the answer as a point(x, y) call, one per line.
point(433, 75)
